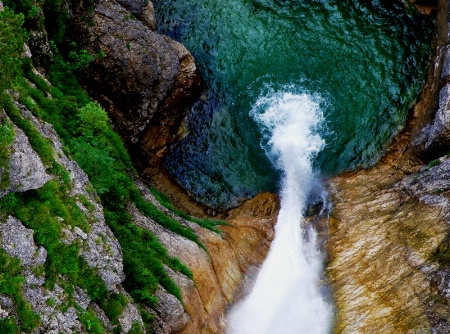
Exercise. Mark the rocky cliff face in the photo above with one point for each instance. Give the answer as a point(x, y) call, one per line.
point(228, 260)
point(221, 273)
point(389, 229)
point(146, 81)
point(58, 252)
point(98, 246)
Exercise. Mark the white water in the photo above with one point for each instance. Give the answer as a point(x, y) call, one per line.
point(285, 298)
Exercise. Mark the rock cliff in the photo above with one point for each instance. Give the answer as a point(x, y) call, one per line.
point(221, 262)
point(146, 81)
point(388, 264)
point(64, 259)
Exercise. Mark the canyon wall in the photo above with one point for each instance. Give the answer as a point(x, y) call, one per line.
point(389, 226)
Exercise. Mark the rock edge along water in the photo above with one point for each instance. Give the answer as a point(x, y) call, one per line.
point(389, 232)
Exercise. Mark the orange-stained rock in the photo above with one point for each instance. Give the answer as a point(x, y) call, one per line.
point(388, 247)
point(228, 265)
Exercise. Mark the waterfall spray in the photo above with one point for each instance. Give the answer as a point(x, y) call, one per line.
point(285, 298)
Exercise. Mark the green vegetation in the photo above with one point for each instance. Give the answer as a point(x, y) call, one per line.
point(434, 163)
point(209, 224)
point(6, 140)
point(91, 323)
point(84, 129)
point(12, 37)
point(11, 285)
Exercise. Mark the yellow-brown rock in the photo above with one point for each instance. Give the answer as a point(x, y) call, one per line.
point(383, 236)
point(389, 259)
point(220, 273)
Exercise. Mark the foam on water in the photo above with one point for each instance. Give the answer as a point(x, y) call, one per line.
point(285, 298)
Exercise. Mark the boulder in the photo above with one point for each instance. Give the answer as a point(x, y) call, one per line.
point(147, 82)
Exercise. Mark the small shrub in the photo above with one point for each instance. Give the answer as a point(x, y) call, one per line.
point(33, 12)
point(91, 322)
point(93, 119)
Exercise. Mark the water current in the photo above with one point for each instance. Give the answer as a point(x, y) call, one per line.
point(286, 297)
point(297, 90)
point(367, 60)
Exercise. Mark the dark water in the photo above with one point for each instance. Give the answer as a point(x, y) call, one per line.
point(365, 60)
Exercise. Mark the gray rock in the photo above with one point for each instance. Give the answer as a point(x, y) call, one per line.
point(129, 317)
point(18, 242)
point(135, 7)
point(428, 181)
point(171, 311)
point(81, 298)
point(52, 318)
point(26, 169)
point(7, 307)
point(151, 84)
point(99, 247)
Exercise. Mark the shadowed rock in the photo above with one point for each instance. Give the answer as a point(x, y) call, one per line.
point(146, 81)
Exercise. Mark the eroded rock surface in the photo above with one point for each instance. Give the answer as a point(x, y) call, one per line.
point(384, 230)
point(222, 274)
point(389, 227)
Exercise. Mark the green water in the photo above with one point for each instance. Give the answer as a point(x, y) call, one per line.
point(366, 60)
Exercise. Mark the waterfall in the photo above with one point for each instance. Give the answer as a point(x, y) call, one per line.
point(286, 298)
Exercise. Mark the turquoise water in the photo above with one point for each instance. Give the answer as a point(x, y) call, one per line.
point(363, 61)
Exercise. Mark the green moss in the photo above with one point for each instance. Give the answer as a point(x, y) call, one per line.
point(6, 140)
point(209, 224)
point(136, 328)
point(91, 322)
point(11, 283)
point(10, 326)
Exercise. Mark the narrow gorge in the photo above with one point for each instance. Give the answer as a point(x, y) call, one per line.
point(150, 152)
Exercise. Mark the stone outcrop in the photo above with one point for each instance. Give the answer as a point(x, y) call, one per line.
point(25, 169)
point(432, 133)
point(100, 248)
point(146, 81)
point(385, 228)
point(223, 273)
